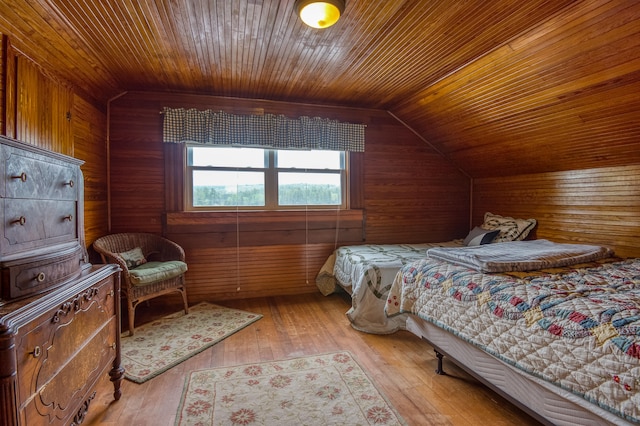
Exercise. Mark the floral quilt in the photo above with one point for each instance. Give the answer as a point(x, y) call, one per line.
point(367, 272)
point(577, 327)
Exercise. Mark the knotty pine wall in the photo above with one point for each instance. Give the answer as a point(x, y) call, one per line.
point(599, 206)
point(409, 194)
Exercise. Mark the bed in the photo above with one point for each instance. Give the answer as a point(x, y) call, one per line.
point(366, 273)
point(558, 334)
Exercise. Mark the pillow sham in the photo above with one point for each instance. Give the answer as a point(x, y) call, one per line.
point(510, 229)
point(133, 257)
point(479, 236)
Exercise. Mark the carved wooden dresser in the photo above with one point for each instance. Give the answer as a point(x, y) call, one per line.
point(59, 315)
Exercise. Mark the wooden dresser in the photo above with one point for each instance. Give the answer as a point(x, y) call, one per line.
point(59, 315)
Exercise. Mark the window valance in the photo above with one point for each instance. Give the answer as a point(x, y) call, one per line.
point(268, 130)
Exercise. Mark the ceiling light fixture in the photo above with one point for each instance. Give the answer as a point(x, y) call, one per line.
point(319, 14)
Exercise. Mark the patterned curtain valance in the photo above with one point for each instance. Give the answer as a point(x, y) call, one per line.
point(273, 131)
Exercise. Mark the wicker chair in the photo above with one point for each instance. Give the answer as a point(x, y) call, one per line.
point(151, 266)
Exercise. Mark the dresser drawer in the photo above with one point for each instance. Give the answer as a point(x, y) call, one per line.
point(30, 175)
point(30, 224)
point(25, 279)
point(61, 355)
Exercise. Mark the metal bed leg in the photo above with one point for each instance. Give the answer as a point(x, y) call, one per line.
point(439, 370)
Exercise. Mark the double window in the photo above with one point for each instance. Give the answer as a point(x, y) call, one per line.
point(258, 178)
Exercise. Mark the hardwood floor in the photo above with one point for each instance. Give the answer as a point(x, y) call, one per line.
point(400, 364)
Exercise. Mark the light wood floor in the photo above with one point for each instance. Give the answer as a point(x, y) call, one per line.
point(400, 364)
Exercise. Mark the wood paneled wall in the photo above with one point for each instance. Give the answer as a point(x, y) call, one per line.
point(90, 145)
point(3, 82)
point(600, 206)
point(37, 106)
point(409, 194)
point(42, 109)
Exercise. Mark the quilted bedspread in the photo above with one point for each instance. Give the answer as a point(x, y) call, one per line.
point(367, 272)
point(577, 327)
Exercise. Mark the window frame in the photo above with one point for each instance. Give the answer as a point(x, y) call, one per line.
point(174, 160)
point(271, 183)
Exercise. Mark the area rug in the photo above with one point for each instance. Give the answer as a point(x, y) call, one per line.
point(159, 345)
point(328, 389)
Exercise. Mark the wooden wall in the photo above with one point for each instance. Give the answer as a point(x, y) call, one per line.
point(3, 81)
point(600, 206)
point(89, 145)
point(43, 109)
point(408, 194)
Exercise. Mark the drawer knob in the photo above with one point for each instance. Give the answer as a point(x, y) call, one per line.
point(22, 176)
point(114, 346)
point(36, 352)
point(20, 221)
point(68, 217)
point(40, 277)
point(70, 183)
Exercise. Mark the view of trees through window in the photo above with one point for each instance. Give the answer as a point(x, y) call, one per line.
point(253, 195)
point(246, 195)
point(255, 177)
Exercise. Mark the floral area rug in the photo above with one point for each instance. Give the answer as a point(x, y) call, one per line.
point(329, 389)
point(159, 345)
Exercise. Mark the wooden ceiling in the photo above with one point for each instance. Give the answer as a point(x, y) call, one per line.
point(499, 87)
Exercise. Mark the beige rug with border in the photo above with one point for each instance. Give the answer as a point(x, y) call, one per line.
point(159, 345)
point(327, 389)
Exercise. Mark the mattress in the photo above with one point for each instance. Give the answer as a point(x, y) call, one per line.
point(545, 402)
point(576, 328)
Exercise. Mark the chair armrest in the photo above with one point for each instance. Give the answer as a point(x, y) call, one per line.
point(171, 251)
point(118, 260)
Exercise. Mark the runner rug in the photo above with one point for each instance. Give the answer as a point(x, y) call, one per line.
point(159, 345)
point(329, 389)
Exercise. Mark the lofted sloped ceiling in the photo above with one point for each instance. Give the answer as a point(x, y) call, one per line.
point(499, 87)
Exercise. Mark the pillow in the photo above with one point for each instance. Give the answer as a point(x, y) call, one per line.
point(510, 229)
point(479, 236)
point(133, 257)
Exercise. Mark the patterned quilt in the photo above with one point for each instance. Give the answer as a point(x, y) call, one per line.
point(577, 327)
point(367, 272)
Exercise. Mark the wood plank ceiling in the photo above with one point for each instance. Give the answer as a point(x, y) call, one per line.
point(500, 87)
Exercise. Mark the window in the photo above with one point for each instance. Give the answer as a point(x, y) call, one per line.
point(257, 178)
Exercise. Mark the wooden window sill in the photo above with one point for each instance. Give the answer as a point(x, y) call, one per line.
point(260, 228)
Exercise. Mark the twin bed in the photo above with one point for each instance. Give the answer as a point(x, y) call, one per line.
point(366, 272)
point(553, 327)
